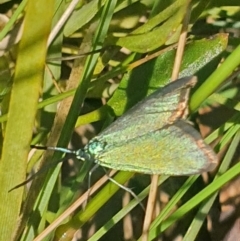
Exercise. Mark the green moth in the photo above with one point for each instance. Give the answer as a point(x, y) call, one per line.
point(153, 137)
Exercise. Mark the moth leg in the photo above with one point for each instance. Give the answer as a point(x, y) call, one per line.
point(124, 188)
point(89, 182)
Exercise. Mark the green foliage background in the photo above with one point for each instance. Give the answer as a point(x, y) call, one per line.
point(33, 111)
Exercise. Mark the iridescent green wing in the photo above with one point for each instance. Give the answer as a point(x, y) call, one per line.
point(176, 149)
point(161, 108)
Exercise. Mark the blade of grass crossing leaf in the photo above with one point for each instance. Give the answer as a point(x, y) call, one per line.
point(229, 155)
point(228, 136)
point(219, 131)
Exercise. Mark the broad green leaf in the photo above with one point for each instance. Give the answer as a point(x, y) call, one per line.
point(156, 72)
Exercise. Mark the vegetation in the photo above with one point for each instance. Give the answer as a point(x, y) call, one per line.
point(67, 64)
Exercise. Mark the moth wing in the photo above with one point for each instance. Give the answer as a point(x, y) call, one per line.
point(161, 108)
point(177, 149)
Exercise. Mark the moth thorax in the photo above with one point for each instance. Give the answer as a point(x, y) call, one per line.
point(95, 147)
